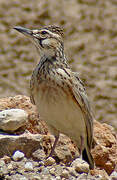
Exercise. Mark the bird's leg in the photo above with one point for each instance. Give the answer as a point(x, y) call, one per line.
point(54, 145)
point(81, 146)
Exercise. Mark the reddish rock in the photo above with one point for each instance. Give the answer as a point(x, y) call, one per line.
point(105, 150)
point(100, 173)
point(35, 124)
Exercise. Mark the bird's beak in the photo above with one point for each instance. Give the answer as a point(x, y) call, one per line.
point(26, 32)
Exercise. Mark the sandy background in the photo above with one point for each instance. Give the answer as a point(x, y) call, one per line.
point(90, 44)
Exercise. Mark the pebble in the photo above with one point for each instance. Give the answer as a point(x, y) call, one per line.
point(36, 178)
point(45, 171)
point(18, 155)
point(58, 178)
point(114, 175)
point(41, 163)
point(28, 166)
point(6, 159)
point(80, 165)
point(82, 176)
point(39, 155)
point(50, 161)
point(2, 163)
point(12, 119)
point(3, 168)
point(23, 178)
point(82, 168)
point(72, 171)
point(52, 171)
point(65, 174)
point(10, 167)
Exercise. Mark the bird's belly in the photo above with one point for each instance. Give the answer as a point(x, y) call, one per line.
point(61, 111)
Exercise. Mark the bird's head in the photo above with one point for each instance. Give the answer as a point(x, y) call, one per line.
point(48, 40)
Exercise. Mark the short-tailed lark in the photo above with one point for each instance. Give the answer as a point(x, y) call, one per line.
point(58, 92)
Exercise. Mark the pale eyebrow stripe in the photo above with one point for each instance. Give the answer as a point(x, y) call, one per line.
point(49, 32)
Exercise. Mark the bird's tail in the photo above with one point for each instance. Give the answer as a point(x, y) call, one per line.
point(86, 155)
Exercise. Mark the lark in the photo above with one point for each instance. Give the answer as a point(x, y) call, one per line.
point(58, 92)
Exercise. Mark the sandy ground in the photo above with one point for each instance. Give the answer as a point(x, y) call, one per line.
point(90, 44)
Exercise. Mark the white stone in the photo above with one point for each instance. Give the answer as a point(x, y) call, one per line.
point(18, 155)
point(12, 119)
point(28, 166)
point(58, 178)
point(114, 174)
point(23, 178)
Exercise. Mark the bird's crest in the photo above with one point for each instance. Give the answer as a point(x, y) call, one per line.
point(55, 29)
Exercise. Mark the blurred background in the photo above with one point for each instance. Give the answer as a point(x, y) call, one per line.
point(90, 44)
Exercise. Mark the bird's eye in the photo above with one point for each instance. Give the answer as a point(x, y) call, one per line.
point(43, 32)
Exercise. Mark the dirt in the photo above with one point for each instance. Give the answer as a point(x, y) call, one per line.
point(90, 44)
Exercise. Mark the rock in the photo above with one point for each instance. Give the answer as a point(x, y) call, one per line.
point(80, 165)
point(6, 159)
point(52, 171)
point(113, 175)
point(83, 176)
point(49, 161)
point(105, 150)
point(23, 178)
point(35, 124)
point(65, 149)
point(58, 178)
point(45, 171)
point(65, 174)
point(72, 171)
point(37, 146)
point(2, 163)
point(3, 168)
point(99, 174)
point(28, 166)
point(39, 154)
point(10, 167)
point(41, 163)
point(58, 169)
point(19, 177)
point(26, 143)
point(36, 178)
point(12, 119)
point(18, 156)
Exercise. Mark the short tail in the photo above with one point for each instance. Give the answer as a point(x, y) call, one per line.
point(86, 155)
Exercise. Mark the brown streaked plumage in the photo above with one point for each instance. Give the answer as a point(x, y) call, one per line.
point(55, 29)
point(58, 92)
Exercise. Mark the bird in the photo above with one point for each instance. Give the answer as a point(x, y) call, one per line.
point(58, 92)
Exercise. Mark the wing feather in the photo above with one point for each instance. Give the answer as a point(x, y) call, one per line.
point(82, 100)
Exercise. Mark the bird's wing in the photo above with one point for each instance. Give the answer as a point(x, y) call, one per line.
point(82, 100)
point(78, 91)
